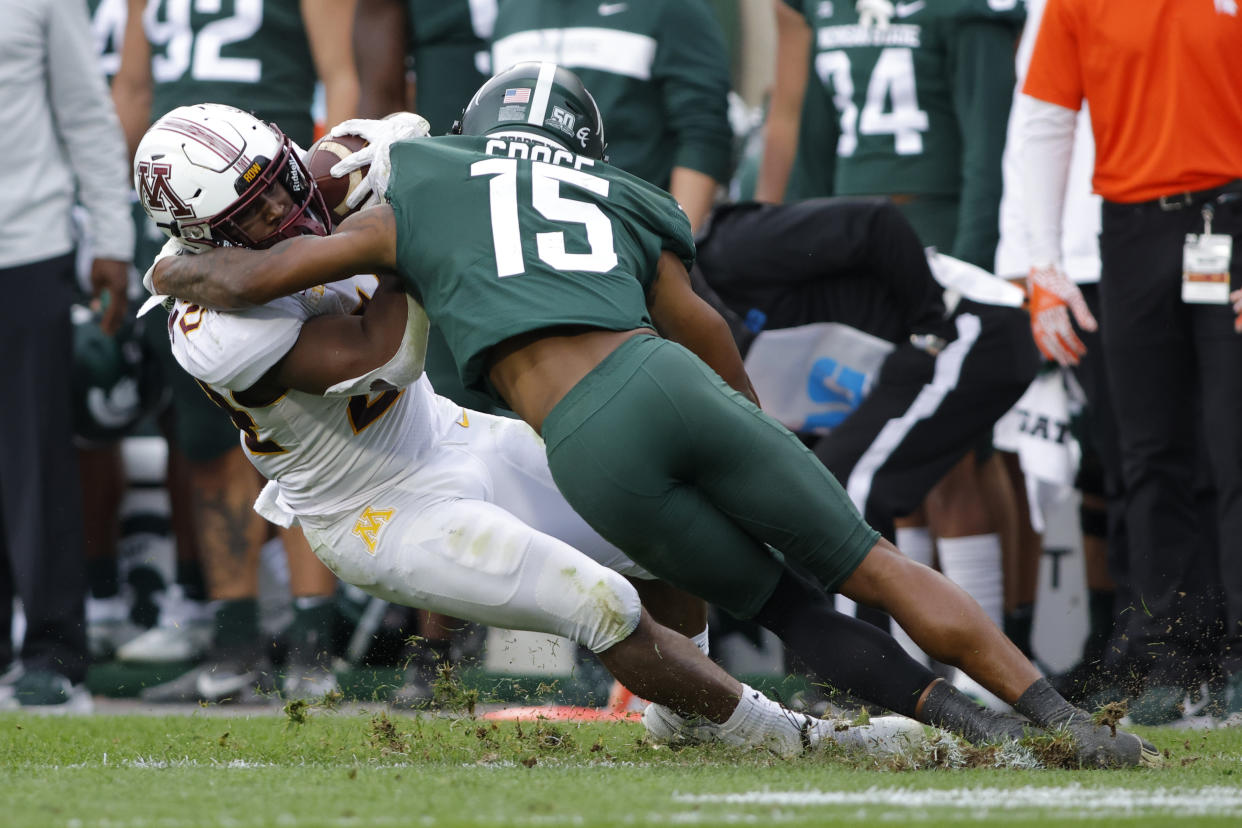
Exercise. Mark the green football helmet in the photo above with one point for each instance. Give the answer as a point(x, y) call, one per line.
point(542, 98)
point(115, 380)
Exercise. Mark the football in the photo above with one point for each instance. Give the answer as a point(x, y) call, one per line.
point(320, 159)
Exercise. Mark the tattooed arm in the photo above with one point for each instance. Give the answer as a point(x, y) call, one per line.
point(234, 278)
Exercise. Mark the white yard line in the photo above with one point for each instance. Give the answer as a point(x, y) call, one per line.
point(1213, 800)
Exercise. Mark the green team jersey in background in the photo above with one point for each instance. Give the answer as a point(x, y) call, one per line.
point(921, 107)
point(447, 42)
point(251, 54)
point(530, 244)
point(108, 30)
point(658, 69)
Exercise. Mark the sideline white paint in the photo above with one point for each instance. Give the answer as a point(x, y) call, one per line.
point(1212, 800)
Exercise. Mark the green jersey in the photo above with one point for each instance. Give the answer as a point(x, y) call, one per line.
point(658, 69)
point(537, 238)
point(252, 54)
point(108, 30)
point(920, 103)
point(447, 42)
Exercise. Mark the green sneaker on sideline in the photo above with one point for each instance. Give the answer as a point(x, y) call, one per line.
point(43, 691)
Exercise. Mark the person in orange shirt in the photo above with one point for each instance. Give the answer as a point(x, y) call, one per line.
point(1161, 79)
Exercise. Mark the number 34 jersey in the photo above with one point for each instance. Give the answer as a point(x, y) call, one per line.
point(900, 85)
point(327, 454)
point(498, 236)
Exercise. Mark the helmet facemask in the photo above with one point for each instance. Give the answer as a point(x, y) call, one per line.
point(307, 218)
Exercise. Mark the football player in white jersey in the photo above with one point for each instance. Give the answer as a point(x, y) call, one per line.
point(399, 491)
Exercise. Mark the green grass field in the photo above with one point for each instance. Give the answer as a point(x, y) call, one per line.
point(316, 767)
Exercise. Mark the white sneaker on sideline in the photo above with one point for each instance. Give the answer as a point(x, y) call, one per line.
point(184, 631)
point(108, 626)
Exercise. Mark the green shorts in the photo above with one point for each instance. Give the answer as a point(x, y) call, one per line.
point(693, 482)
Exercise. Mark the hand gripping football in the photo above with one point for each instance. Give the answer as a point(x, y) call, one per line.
point(320, 159)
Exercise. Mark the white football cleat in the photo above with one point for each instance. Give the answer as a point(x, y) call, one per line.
point(665, 727)
point(880, 736)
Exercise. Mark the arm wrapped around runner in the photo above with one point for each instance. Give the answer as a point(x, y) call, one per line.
point(405, 366)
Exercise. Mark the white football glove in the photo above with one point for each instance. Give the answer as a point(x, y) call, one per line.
point(1053, 298)
point(380, 136)
point(172, 247)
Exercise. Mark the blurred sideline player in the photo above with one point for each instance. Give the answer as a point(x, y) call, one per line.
point(402, 492)
point(568, 342)
point(1102, 511)
point(908, 101)
point(951, 371)
point(118, 381)
point(172, 56)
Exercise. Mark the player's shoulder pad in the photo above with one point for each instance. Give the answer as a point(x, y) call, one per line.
point(234, 349)
point(1007, 12)
point(660, 213)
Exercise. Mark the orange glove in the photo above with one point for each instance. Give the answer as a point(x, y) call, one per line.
point(1053, 297)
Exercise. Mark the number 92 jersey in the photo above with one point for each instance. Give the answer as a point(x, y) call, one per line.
point(498, 236)
point(893, 86)
point(252, 54)
point(328, 454)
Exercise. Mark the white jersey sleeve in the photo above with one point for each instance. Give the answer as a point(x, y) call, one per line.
point(235, 349)
point(1074, 236)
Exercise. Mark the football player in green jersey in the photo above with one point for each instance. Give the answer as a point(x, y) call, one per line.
point(445, 42)
point(659, 68)
point(920, 94)
point(551, 272)
point(264, 56)
point(915, 92)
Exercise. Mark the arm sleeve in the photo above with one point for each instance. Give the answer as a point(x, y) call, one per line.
point(982, 82)
point(692, 71)
point(235, 349)
point(1055, 73)
point(1047, 148)
point(89, 130)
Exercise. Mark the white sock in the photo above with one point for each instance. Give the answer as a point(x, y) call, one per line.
point(700, 641)
point(915, 542)
point(974, 564)
point(760, 722)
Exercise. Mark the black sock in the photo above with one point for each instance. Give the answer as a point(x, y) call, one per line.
point(101, 576)
point(190, 577)
point(1044, 706)
point(237, 624)
point(1017, 624)
point(314, 620)
point(948, 708)
point(846, 653)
